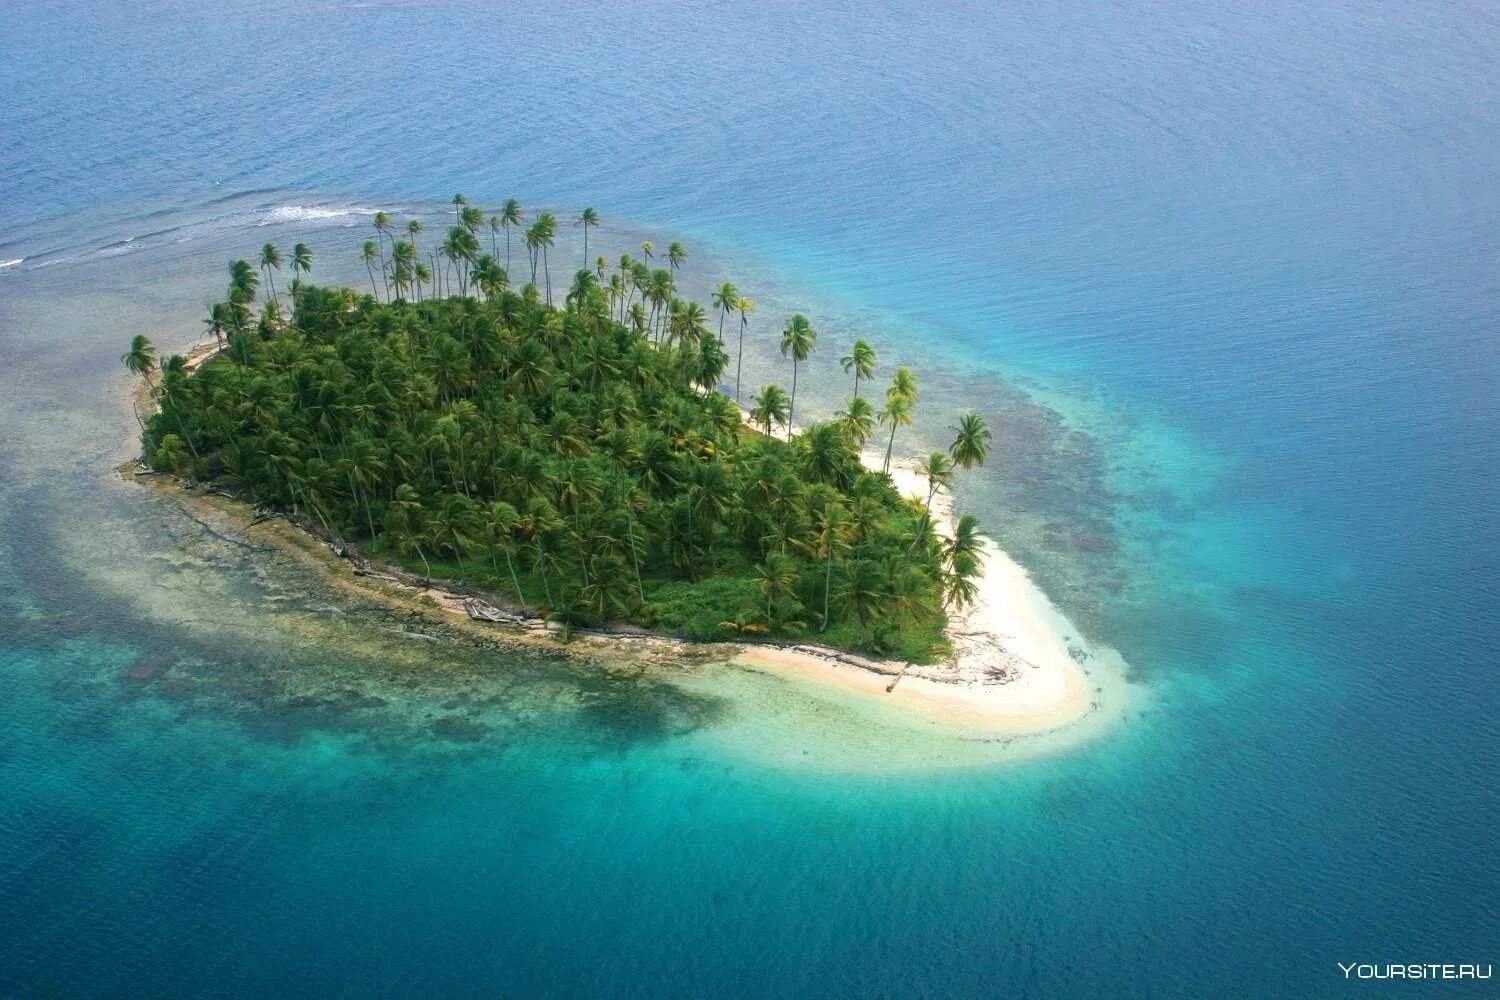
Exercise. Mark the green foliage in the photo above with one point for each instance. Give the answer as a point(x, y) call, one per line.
point(578, 458)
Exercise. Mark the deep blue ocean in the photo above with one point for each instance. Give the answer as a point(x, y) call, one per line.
point(1223, 275)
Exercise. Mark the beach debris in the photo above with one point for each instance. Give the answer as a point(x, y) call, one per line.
point(482, 612)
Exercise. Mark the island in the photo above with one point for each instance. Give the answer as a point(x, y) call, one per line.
point(586, 457)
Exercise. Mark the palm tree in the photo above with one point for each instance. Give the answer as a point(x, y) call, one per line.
point(141, 358)
point(863, 593)
point(369, 255)
point(302, 257)
point(903, 383)
point(857, 421)
point(382, 224)
point(937, 469)
point(861, 361)
point(242, 285)
point(470, 218)
point(494, 224)
point(218, 318)
point(797, 339)
point(546, 236)
point(405, 522)
point(676, 256)
point(771, 408)
point(777, 580)
point(897, 413)
point(659, 292)
point(972, 446)
point(833, 531)
point(413, 227)
point(458, 202)
point(745, 307)
point(724, 298)
point(647, 249)
point(422, 276)
point(510, 215)
point(962, 559)
point(270, 259)
point(403, 257)
point(489, 277)
point(588, 219)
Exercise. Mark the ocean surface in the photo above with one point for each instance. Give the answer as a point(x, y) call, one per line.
point(1224, 277)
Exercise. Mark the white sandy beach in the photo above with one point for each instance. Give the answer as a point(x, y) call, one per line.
point(1013, 671)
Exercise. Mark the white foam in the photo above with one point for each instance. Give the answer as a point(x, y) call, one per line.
point(12, 262)
point(308, 213)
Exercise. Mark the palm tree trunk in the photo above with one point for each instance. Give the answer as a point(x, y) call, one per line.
point(541, 564)
point(739, 363)
point(791, 412)
point(827, 584)
point(889, 445)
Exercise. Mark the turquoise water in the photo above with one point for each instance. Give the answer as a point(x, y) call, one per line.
point(1222, 277)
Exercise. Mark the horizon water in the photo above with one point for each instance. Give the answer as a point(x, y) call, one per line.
point(1222, 278)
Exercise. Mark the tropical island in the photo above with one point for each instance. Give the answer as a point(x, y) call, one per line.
point(588, 461)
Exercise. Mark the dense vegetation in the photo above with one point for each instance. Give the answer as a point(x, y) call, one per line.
point(577, 458)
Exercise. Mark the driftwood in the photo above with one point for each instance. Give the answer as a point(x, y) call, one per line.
point(482, 612)
point(892, 685)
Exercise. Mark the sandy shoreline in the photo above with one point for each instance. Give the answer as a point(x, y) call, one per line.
point(1018, 663)
point(1019, 666)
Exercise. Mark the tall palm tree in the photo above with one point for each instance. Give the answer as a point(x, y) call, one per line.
point(141, 358)
point(270, 259)
point(972, 446)
point(546, 226)
point(218, 319)
point(470, 218)
point(533, 241)
point(647, 250)
point(403, 257)
point(458, 202)
point(897, 413)
point(860, 361)
point(382, 224)
point(833, 531)
point(413, 227)
point(302, 257)
point(510, 215)
point(494, 224)
point(659, 292)
point(744, 307)
point(370, 255)
point(903, 383)
point(676, 257)
point(724, 298)
point(797, 340)
point(421, 275)
point(242, 285)
point(588, 219)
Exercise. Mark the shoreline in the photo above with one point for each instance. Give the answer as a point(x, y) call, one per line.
point(1018, 668)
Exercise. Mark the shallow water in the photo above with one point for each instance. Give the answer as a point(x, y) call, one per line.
point(1222, 278)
